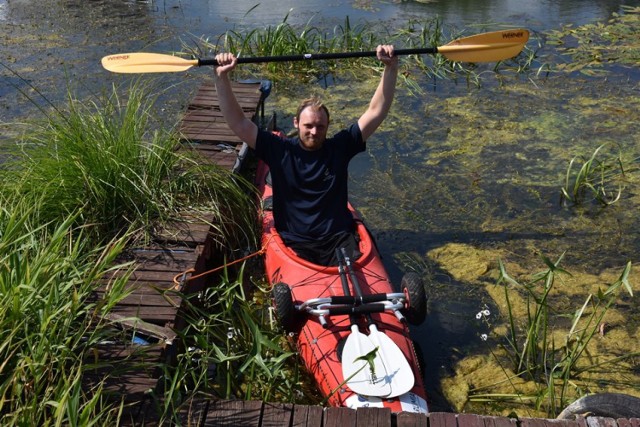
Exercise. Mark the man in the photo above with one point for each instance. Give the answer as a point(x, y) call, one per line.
point(310, 173)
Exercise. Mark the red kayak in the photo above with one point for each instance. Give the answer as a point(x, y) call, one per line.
point(348, 323)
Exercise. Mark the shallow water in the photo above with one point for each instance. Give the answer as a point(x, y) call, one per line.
point(456, 178)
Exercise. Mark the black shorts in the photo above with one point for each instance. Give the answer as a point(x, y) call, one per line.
point(323, 252)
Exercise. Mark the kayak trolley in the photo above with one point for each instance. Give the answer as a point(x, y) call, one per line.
point(366, 304)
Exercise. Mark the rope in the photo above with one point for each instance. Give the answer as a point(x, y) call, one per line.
point(179, 283)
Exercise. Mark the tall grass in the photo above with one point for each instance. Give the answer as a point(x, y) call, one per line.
point(78, 188)
point(105, 160)
point(49, 319)
point(232, 351)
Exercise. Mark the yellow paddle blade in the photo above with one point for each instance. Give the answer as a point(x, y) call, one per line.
point(141, 62)
point(486, 47)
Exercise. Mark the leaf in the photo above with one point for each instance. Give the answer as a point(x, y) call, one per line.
point(369, 358)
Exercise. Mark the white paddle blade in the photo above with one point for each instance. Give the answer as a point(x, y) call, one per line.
point(361, 376)
point(399, 375)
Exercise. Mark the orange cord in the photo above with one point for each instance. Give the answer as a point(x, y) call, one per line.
point(180, 282)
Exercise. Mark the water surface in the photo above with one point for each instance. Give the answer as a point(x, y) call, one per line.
point(458, 176)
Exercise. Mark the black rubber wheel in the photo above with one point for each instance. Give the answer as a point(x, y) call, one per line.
point(413, 288)
point(285, 308)
point(612, 405)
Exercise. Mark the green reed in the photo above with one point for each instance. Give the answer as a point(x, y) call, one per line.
point(231, 350)
point(108, 160)
point(48, 318)
point(287, 39)
point(76, 189)
point(591, 178)
point(532, 351)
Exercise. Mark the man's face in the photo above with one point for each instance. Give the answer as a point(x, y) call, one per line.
point(312, 128)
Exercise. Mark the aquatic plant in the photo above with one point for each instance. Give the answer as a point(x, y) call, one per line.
point(532, 349)
point(232, 350)
point(286, 39)
point(593, 178)
point(591, 47)
point(106, 160)
point(49, 318)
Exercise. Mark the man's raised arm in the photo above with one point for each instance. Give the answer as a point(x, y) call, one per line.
point(243, 127)
point(383, 96)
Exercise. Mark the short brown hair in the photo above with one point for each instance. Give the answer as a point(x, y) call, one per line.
point(315, 104)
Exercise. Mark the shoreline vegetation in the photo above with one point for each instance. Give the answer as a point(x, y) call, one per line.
point(90, 179)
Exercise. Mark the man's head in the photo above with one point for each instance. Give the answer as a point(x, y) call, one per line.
point(312, 122)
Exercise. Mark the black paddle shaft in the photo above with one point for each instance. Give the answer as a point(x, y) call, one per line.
point(321, 56)
point(354, 279)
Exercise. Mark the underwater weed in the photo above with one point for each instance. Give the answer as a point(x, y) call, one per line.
point(593, 178)
point(533, 351)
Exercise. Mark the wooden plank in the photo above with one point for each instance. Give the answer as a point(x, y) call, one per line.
point(210, 134)
point(208, 115)
point(601, 422)
point(411, 419)
point(490, 421)
point(243, 96)
point(165, 334)
point(238, 87)
point(213, 115)
point(156, 275)
point(213, 137)
point(127, 371)
point(189, 230)
point(276, 414)
point(200, 101)
point(192, 128)
point(232, 413)
point(339, 417)
point(193, 411)
point(159, 290)
point(151, 314)
point(582, 421)
point(531, 422)
point(368, 417)
point(442, 419)
point(307, 416)
point(471, 420)
point(178, 258)
point(223, 160)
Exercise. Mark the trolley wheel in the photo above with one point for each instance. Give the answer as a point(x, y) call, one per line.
point(285, 308)
point(413, 289)
point(612, 405)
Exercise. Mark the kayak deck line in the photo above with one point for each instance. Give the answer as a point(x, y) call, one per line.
point(152, 312)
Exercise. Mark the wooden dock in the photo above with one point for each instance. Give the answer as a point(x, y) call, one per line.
point(153, 310)
point(203, 412)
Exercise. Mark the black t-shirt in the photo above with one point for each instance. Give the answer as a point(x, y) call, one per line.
point(310, 187)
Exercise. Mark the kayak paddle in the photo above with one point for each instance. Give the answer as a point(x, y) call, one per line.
point(485, 47)
point(399, 374)
point(362, 368)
